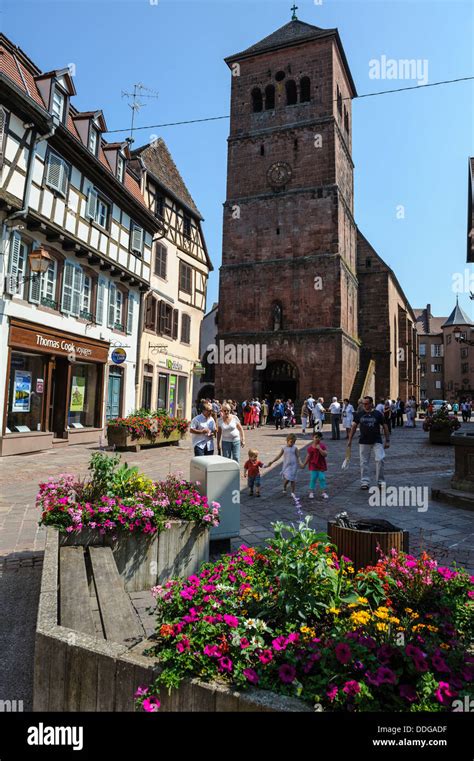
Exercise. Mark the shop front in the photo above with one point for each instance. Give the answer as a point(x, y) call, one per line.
point(54, 389)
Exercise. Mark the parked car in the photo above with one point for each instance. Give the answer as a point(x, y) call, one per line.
point(438, 403)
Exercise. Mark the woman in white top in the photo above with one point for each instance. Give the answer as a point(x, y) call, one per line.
point(230, 434)
point(347, 416)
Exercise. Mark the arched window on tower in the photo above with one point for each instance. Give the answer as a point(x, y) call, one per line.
point(305, 90)
point(269, 98)
point(339, 100)
point(346, 120)
point(291, 93)
point(257, 100)
point(277, 316)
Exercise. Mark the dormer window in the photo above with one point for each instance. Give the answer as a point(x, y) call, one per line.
point(58, 105)
point(93, 140)
point(120, 167)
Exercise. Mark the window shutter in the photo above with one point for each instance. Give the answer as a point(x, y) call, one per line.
point(17, 259)
point(111, 312)
point(161, 317)
point(48, 281)
point(137, 239)
point(64, 178)
point(175, 323)
point(76, 291)
point(130, 307)
point(99, 314)
point(35, 289)
point(118, 306)
point(92, 198)
point(57, 173)
point(66, 298)
point(148, 310)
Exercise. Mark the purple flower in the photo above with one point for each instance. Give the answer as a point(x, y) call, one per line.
point(287, 673)
point(447, 573)
point(265, 657)
point(231, 621)
point(384, 653)
point(213, 651)
point(343, 652)
point(439, 663)
point(251, 676)
point(443, 693)
point(408, 692)
point(151, 705)
point(280, 643)
point(225, 664)
point(386, 676)
point(331, 692)
point(351, 688)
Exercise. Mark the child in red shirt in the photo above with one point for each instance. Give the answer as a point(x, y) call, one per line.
point(252, 472)
point(316, 457)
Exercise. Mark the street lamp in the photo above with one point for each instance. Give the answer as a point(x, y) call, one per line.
point(39, 260)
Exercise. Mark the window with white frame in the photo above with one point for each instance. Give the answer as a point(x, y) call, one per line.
point(436, 368)
point(114, 319)
point(86, 297)
point(98, 209)
point(42, 287)
point(71, 297)
point(436, 350)
point(437, 384)
point(56, 174)
point(120, 167)
point(422, 350)
point(18, 257)
point(93, 140)
point(130, 312)
point(58, 105)
point(136, 239)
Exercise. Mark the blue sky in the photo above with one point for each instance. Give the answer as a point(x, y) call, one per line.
point(410, 149)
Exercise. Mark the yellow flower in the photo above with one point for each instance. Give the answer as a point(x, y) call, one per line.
point(352, 605)
point(408, 610)
point(415, 615)
point(381, 627)
point(381, 613)
point(334, 610)
point(432, 628)
point(400, 628)
point(350, 569)
point(445, 646)
point(306, 630)
point(394, 620)
point(361, 617)
point(417, 627)
point(363, 600)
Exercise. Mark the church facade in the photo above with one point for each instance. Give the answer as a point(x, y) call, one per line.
point(289, 290)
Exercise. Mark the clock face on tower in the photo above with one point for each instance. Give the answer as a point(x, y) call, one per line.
point(279, 174)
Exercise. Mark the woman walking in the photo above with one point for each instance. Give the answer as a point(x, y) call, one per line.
point(230, 434)
point(278, 412)
point(347, 416)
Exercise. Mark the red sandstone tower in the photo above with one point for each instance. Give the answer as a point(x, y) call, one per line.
point(288, 279)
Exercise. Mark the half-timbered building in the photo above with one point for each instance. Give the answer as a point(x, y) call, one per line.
point(76, 255)
point(176, 302)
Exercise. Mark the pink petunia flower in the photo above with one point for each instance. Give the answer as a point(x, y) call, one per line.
point(351, 688)
point(287, 673)
point(151, 704)
point(251, 676)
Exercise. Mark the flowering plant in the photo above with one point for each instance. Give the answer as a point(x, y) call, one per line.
point(121, 498)
point(440, 421)
point(149, 425)
point(357, 645)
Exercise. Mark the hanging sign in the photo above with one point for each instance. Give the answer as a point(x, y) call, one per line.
point(119, 356)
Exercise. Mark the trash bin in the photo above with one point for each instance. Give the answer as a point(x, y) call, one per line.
point(358, 538)
point(219, 481)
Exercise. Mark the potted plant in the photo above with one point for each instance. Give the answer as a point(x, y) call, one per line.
point(156, 529)
point(440, 426)
point(144, 428)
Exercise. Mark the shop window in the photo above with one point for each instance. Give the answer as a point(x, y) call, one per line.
point(83, 396)
point(147, 391)
point(162, 400)
point(181, 401)
point(26, 390)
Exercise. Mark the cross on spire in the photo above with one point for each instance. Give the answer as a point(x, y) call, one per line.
point(294, 9)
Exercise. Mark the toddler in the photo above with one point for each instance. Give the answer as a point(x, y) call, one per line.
point(252, 472)
point(316, 457)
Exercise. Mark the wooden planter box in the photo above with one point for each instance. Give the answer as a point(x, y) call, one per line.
point(121, 439)
point(440, 437)
point(361, 546)
point(144, 561)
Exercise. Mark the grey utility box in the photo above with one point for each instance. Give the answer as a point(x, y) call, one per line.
point(219, 481)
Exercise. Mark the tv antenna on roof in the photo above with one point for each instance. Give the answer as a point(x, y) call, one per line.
point(136, 105)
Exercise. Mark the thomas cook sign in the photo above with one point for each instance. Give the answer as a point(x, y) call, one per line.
point(119, 356)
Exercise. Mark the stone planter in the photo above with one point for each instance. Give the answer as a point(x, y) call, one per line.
point(442, 436)
point(121, 439)
point(361, 546)
point(144, 561)
point(463, 478)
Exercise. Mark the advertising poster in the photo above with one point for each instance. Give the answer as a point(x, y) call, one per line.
point(78, 393)
point(21, 391)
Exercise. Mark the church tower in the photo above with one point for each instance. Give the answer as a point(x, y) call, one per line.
point(288, 284)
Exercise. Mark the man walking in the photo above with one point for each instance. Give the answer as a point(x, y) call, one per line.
point(203, 429)
point(335, 410)
point(370, 422)
point(400, 411)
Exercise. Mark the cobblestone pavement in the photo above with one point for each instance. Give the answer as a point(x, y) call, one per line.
point(411, 461)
